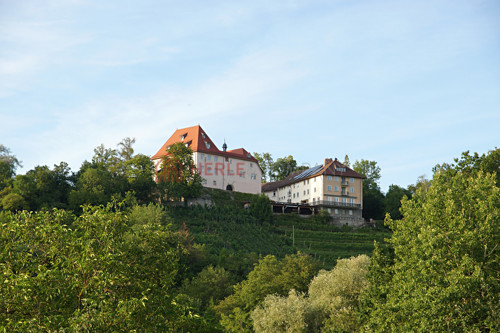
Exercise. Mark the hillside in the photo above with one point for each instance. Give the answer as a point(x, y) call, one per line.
point(229, 228)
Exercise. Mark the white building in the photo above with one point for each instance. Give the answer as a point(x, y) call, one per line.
point(232, 170)
point(332, 186)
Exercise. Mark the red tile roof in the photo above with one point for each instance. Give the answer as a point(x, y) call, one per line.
point(199, 141)
point(330, 168)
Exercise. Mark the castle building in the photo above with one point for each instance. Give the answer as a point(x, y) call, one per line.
point(232, 170)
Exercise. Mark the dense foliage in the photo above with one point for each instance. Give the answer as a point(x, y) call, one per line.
point(97, 272)
point(443, 273)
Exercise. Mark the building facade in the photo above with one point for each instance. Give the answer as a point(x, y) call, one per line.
point(232, 170)
point(332, 186)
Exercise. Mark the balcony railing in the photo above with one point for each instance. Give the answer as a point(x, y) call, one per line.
point(335, 204)
point(344, 182)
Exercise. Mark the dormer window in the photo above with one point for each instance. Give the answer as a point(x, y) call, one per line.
point(340, 169)
point(203, 135)
point(207, 144)
point(183, 136)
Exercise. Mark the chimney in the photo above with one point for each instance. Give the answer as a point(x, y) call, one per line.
point(327, 160)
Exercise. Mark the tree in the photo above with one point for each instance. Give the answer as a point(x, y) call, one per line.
point(102, 274)
point(393, 200)
point(266, 162)
point(334, 295)
point(178, 177)
point(269, 276)
point(347, 163)
point(261, 208)
point(283, 167)
point(139, 171)
point(370, 170)
point(281, 314)
point(445, 273)
point(8, 165)
point(373, 198)
point(126, 151)
point(331, 304)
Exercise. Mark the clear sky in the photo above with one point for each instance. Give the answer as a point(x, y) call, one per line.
point(408, 84)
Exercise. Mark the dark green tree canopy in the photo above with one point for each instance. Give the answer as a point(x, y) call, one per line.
point(178, 177)
point(8, 165)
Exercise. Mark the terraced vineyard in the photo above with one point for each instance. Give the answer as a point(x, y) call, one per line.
point(328, 243)
point(237, 231)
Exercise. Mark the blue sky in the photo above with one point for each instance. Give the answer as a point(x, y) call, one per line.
point(408, 84)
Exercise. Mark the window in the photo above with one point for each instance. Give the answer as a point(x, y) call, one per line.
point(307, 191)
point(215, 182)
point(203, 135)
point(253, 176)
point(207, 144)
point(304, 192)
point(329, 177)
point(336, 211)
point(336, 178)
point(315, 189)
point(209, 157)
point(308, 181)
point(329, 210)
point(344, 200)
point(336, 188)
point(340, 169)
point(297, 194)
point(351, 201)
point(202, 156)
point(352, 180)
point(351, 189)
point(329, 198)
point(215, 158)
point(204, 182)
point(183, 136)
point(274, 193)
point(294, 195)
point(350, 212)
point(336, 199)
point(330, 188)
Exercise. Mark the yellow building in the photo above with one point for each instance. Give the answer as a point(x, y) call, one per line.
point(332, 186)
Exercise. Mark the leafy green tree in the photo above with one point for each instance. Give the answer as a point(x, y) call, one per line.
point(373, 198)
point(334, 296)
point(8, 165)
point(266, 163)
point(371, 171)
point(393, 200)
point(347, 163)
point(281, 314)
point(101, 274)
point(445, 273)
point(178, 177)
point(139, 171)
point(210, 286)
point(45, 188)
point(10, 200)
point(332, 303)
point(269, 276)
point(283, 167)
point(467, 163)
point(261, 209)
